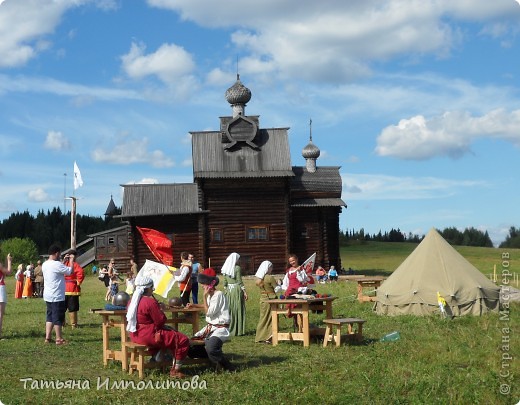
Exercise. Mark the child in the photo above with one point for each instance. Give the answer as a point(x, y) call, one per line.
point(113, 288)
point(130, 283)
point(333, 274)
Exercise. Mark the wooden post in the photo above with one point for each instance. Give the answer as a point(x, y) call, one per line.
point(73, 223)
point(494, 273)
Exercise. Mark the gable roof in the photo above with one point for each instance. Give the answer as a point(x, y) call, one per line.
point(271, 159)
point(160, 199)
point(435, 266)
point(326, 179)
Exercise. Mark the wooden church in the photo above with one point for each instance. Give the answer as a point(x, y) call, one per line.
point(246, 197)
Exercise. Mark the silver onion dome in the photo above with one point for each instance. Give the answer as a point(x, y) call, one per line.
point(311, 151)
point(238, 93)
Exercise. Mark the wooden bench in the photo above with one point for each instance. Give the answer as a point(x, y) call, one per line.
point(338, 323)
point(136, 354)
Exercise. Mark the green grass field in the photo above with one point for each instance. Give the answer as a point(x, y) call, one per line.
point(382, 258)
point(436, 361)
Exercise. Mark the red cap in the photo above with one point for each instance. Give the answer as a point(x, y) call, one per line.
point(210, 272)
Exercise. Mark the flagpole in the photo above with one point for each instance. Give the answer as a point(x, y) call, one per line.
point(64, 193)
point(73, 223)
point(78, 182)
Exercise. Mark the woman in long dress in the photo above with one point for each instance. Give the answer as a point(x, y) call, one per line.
point(236, 294)
point(295, 278)
point(267, 284)
point(27, 287)
point(19, 282)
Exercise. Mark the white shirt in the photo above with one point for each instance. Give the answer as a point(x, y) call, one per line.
point(183, 273)
point(54, 280)
point(218, 314)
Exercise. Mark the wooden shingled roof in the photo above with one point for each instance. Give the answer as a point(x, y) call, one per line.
point(318, 202)
point(319, 189)
point(271, 158)
point(160, 199)
point(325, 179)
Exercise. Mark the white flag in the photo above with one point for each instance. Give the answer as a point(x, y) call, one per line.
point(308, 265)
point(78, 181)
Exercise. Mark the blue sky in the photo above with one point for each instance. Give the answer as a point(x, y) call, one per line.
point(417, 101)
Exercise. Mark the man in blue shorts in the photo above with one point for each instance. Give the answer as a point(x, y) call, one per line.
point(54, 273)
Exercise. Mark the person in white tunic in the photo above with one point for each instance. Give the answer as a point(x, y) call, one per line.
point(216, 332)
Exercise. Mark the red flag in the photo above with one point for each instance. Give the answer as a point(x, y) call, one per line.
point(159, 244)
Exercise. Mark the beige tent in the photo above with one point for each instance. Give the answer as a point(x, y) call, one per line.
point(434, 266)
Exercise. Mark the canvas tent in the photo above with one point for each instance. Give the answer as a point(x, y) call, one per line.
point(435, 266)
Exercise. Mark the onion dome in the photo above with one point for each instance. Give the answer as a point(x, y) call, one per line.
point(311, 151)
point(238, 93)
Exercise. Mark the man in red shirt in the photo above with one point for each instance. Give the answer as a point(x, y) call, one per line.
point(73, 291)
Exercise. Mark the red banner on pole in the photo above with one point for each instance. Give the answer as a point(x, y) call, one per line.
point(159, 244)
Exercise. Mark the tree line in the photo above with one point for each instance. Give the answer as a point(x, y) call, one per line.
point(469, 237)
point(47, 228)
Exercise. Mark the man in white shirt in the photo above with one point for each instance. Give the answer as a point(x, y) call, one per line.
point(54, 273)
point(216, 332)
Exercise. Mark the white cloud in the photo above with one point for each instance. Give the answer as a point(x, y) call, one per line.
point(55, 140)
point(218, 77)
point(145, 180)
point(338, 40)
point(450, 134)
point(22, 24)
point(169, 63)
point(384, 187)
point(38, 195)
point(24, 84)
point(132, 151)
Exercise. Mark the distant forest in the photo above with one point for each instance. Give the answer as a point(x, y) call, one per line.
point(468, 237)
point(54, 227)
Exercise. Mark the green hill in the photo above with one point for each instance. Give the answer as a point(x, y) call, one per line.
point(382, 258)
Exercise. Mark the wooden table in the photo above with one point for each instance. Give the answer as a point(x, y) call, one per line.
point(303, 306)
point(184, 315)
point(368, 282)
point(114, 319)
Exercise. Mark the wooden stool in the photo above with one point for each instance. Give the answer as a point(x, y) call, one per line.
point(338, 323)
point(136, 354)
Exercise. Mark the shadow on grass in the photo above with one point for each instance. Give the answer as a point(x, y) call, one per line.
point(250, 362)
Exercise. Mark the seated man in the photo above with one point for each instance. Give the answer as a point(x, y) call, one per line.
point(216, 332)
point(146, 324)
